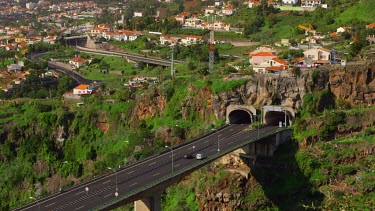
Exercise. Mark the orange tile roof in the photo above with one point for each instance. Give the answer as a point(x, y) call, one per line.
point(82, 86)
point(195, 36)
point(262, 54)
point(280, 61)
point(78, 60)
point(4, 72)
point(277, 68)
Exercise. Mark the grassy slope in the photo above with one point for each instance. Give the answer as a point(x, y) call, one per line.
point(364, 10)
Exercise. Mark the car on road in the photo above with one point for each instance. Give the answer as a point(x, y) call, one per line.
point(188, 156)
point(200, 156)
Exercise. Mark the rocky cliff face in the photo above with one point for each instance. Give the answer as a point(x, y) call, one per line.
point(356, 84)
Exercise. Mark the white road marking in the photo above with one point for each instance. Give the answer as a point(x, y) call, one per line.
point(107, 195)
point(177, 165)
point(79, 192)
point(155, 174)
point(152, 163)
point(133, 184)
point(50, 204)
point(130, 172)
point(106, 182)
point(79, 207)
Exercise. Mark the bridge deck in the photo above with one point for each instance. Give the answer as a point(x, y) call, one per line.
point(149, 173)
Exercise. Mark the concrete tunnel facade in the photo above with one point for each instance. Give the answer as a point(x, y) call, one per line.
point(274, 115)
point(271, 115)
point(240, 114)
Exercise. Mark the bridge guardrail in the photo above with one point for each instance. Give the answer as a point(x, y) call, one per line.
point(185, 169)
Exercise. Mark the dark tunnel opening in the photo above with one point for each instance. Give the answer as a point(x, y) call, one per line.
point(240, 117)
point(273, 118)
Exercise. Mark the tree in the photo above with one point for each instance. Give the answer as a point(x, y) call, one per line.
point(103, 65)
point(296, 71)
point(65, 84)
point(271, 20)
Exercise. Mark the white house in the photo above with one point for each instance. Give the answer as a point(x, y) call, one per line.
point(260, 57)
point(311, 3)
point(192, 40)
point(218, 3)
point(289, 2)
point(317, 56)
point(209, 10)
point(138, 14)
point(82, 89)
point(165, 40)
point(272, 65)
point(343, 29)
point(228, 10)
point(77, 62)
point(192, 22)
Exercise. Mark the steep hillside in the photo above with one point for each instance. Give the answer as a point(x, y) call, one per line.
point(38, 136)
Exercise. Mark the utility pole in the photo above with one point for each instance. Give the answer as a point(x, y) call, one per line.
point(172, 71)
point(212, 47)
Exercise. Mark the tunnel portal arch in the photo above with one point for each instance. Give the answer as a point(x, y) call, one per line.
point(273, 115)
point(240, 114)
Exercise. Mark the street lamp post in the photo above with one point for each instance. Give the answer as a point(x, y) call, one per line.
point(61, 164)
point(114, 170)
point(285, 117)
point(172, 138)
point(218, 139)
point(218, 142)
point(36, 201)
point(172, 155)
point(258, 122)
point(123, 152)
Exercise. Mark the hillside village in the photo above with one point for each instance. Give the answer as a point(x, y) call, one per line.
point(264, 59)
point(156, 75)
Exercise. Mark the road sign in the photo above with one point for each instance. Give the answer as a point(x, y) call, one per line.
point(136, 65)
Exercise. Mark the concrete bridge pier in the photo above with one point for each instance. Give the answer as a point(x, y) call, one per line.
point(152, 203)
point(263, 148)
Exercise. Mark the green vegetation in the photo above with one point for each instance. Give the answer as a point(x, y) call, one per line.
point(321, 169)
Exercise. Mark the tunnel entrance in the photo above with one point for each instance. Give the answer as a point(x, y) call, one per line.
point(272, 118)
point(240, 117)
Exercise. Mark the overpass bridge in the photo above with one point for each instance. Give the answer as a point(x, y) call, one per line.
point(131, 57)
point(85, 44)
point(143, 182)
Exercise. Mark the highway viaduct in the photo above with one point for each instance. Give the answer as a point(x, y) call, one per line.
point(86, 44)
point(143, 182)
